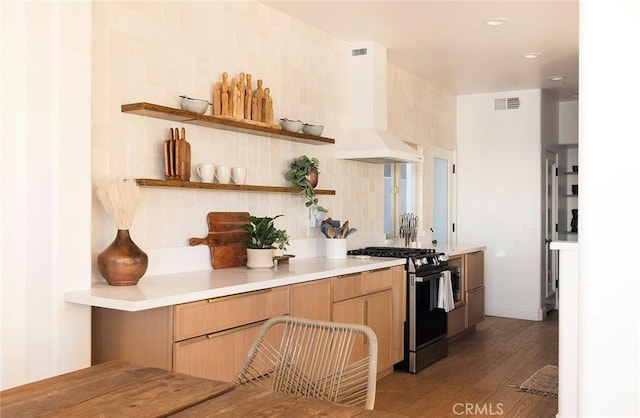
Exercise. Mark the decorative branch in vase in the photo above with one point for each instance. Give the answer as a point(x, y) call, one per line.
point(123, 263)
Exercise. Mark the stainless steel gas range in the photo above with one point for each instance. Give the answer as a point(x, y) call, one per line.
point(425, 327)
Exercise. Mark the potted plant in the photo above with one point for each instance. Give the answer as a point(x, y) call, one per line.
point(303, 173)
point(262, 238)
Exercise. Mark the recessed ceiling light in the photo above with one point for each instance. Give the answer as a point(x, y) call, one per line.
point(496, 21)
point(532, 55)
point(556, 77)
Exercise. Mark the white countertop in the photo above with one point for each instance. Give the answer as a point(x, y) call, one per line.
point(172, 289)
point(461, 249)
point(564, 245)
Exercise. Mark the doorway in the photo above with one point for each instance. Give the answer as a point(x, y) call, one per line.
point(550, 257)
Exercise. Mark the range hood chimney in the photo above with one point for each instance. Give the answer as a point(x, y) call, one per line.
point(367, 138)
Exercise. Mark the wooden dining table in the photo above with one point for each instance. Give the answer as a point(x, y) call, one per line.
point(121, 389)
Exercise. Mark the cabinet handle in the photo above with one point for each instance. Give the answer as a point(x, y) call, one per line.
point(346, 276)
point(239, 295)
point(366, 312)
point(236, 329)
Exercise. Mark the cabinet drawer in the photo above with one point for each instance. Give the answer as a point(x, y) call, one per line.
point(347, 287)
point(456, 321)
point(475, 306)
point(377, 280)
point(216, 356)
point(475, 270)
point(212, 315)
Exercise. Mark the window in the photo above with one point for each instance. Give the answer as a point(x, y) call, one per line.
point(399, 194)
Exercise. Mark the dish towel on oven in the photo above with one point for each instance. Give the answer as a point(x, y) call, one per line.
point(445, 292)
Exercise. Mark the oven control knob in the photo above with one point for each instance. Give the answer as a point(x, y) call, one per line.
point(418, 262)
point(425, 261)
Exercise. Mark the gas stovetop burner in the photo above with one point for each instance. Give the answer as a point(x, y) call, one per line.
point(419, 260)
point(397, 252)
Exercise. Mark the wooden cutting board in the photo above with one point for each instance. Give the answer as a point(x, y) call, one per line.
point(225, 239)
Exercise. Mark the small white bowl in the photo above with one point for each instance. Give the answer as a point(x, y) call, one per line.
point(291, 125)
point(315, 130)
point(194, 105)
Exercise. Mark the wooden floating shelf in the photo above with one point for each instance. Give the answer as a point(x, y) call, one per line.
point(229, 124)
point(218, 186)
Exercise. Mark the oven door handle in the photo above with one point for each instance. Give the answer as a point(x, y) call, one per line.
point(422, 279)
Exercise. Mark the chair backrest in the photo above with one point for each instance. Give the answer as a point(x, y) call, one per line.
point(315, 359)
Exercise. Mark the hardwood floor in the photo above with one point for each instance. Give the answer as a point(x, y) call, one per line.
point(480, 375)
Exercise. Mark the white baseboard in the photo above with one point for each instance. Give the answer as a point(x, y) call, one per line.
point(531, 315)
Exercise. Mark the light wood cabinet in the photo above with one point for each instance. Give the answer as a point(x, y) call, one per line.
point(215, 356)
point(207, 316)
point(347, 287)
point(399, 313)
point(208, 338)
point(475, 302)
point(367, 298)
point(312, 300)
point(378, 317)
point(456, 321)
point(352, 311)
point(211, 338)
point(470, 309)
point(474, 287)
point(474, 271)
point(143, 337)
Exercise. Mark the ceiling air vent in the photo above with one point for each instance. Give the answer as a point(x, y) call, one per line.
point(360, 51)
point(509, 103)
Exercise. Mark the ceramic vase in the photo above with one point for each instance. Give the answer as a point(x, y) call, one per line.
point(313, 177)
point(122, 263)
point(260, 258)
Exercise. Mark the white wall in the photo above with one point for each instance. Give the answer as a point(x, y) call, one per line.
point(568, 124)
point(140, 54)
point(45, 177)
point(499, 197)
point(609, 305)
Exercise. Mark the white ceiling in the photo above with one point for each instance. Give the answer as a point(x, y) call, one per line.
point(448, 43)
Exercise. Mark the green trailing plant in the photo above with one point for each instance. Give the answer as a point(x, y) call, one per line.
point(263, 234)
point(299, 173)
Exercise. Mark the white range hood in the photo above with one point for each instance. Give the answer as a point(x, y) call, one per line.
point(367, 138)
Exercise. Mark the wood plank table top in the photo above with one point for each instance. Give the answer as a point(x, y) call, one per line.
point(120, 389)
point(251, 401)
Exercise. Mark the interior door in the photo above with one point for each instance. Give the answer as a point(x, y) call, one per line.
point(443, 215)
point(550, 270)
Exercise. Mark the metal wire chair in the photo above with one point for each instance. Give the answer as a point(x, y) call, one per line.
point(314, 359)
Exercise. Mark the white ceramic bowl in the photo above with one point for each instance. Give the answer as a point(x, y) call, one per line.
point(312, 129)
point(194, 105)
point(291, 125)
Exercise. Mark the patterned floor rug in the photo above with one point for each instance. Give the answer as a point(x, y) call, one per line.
point(543, 382)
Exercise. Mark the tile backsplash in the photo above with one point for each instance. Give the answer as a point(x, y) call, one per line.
point(156, 51)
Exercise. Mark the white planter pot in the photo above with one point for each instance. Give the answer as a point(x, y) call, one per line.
point(335, 248)
point(260, 259)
